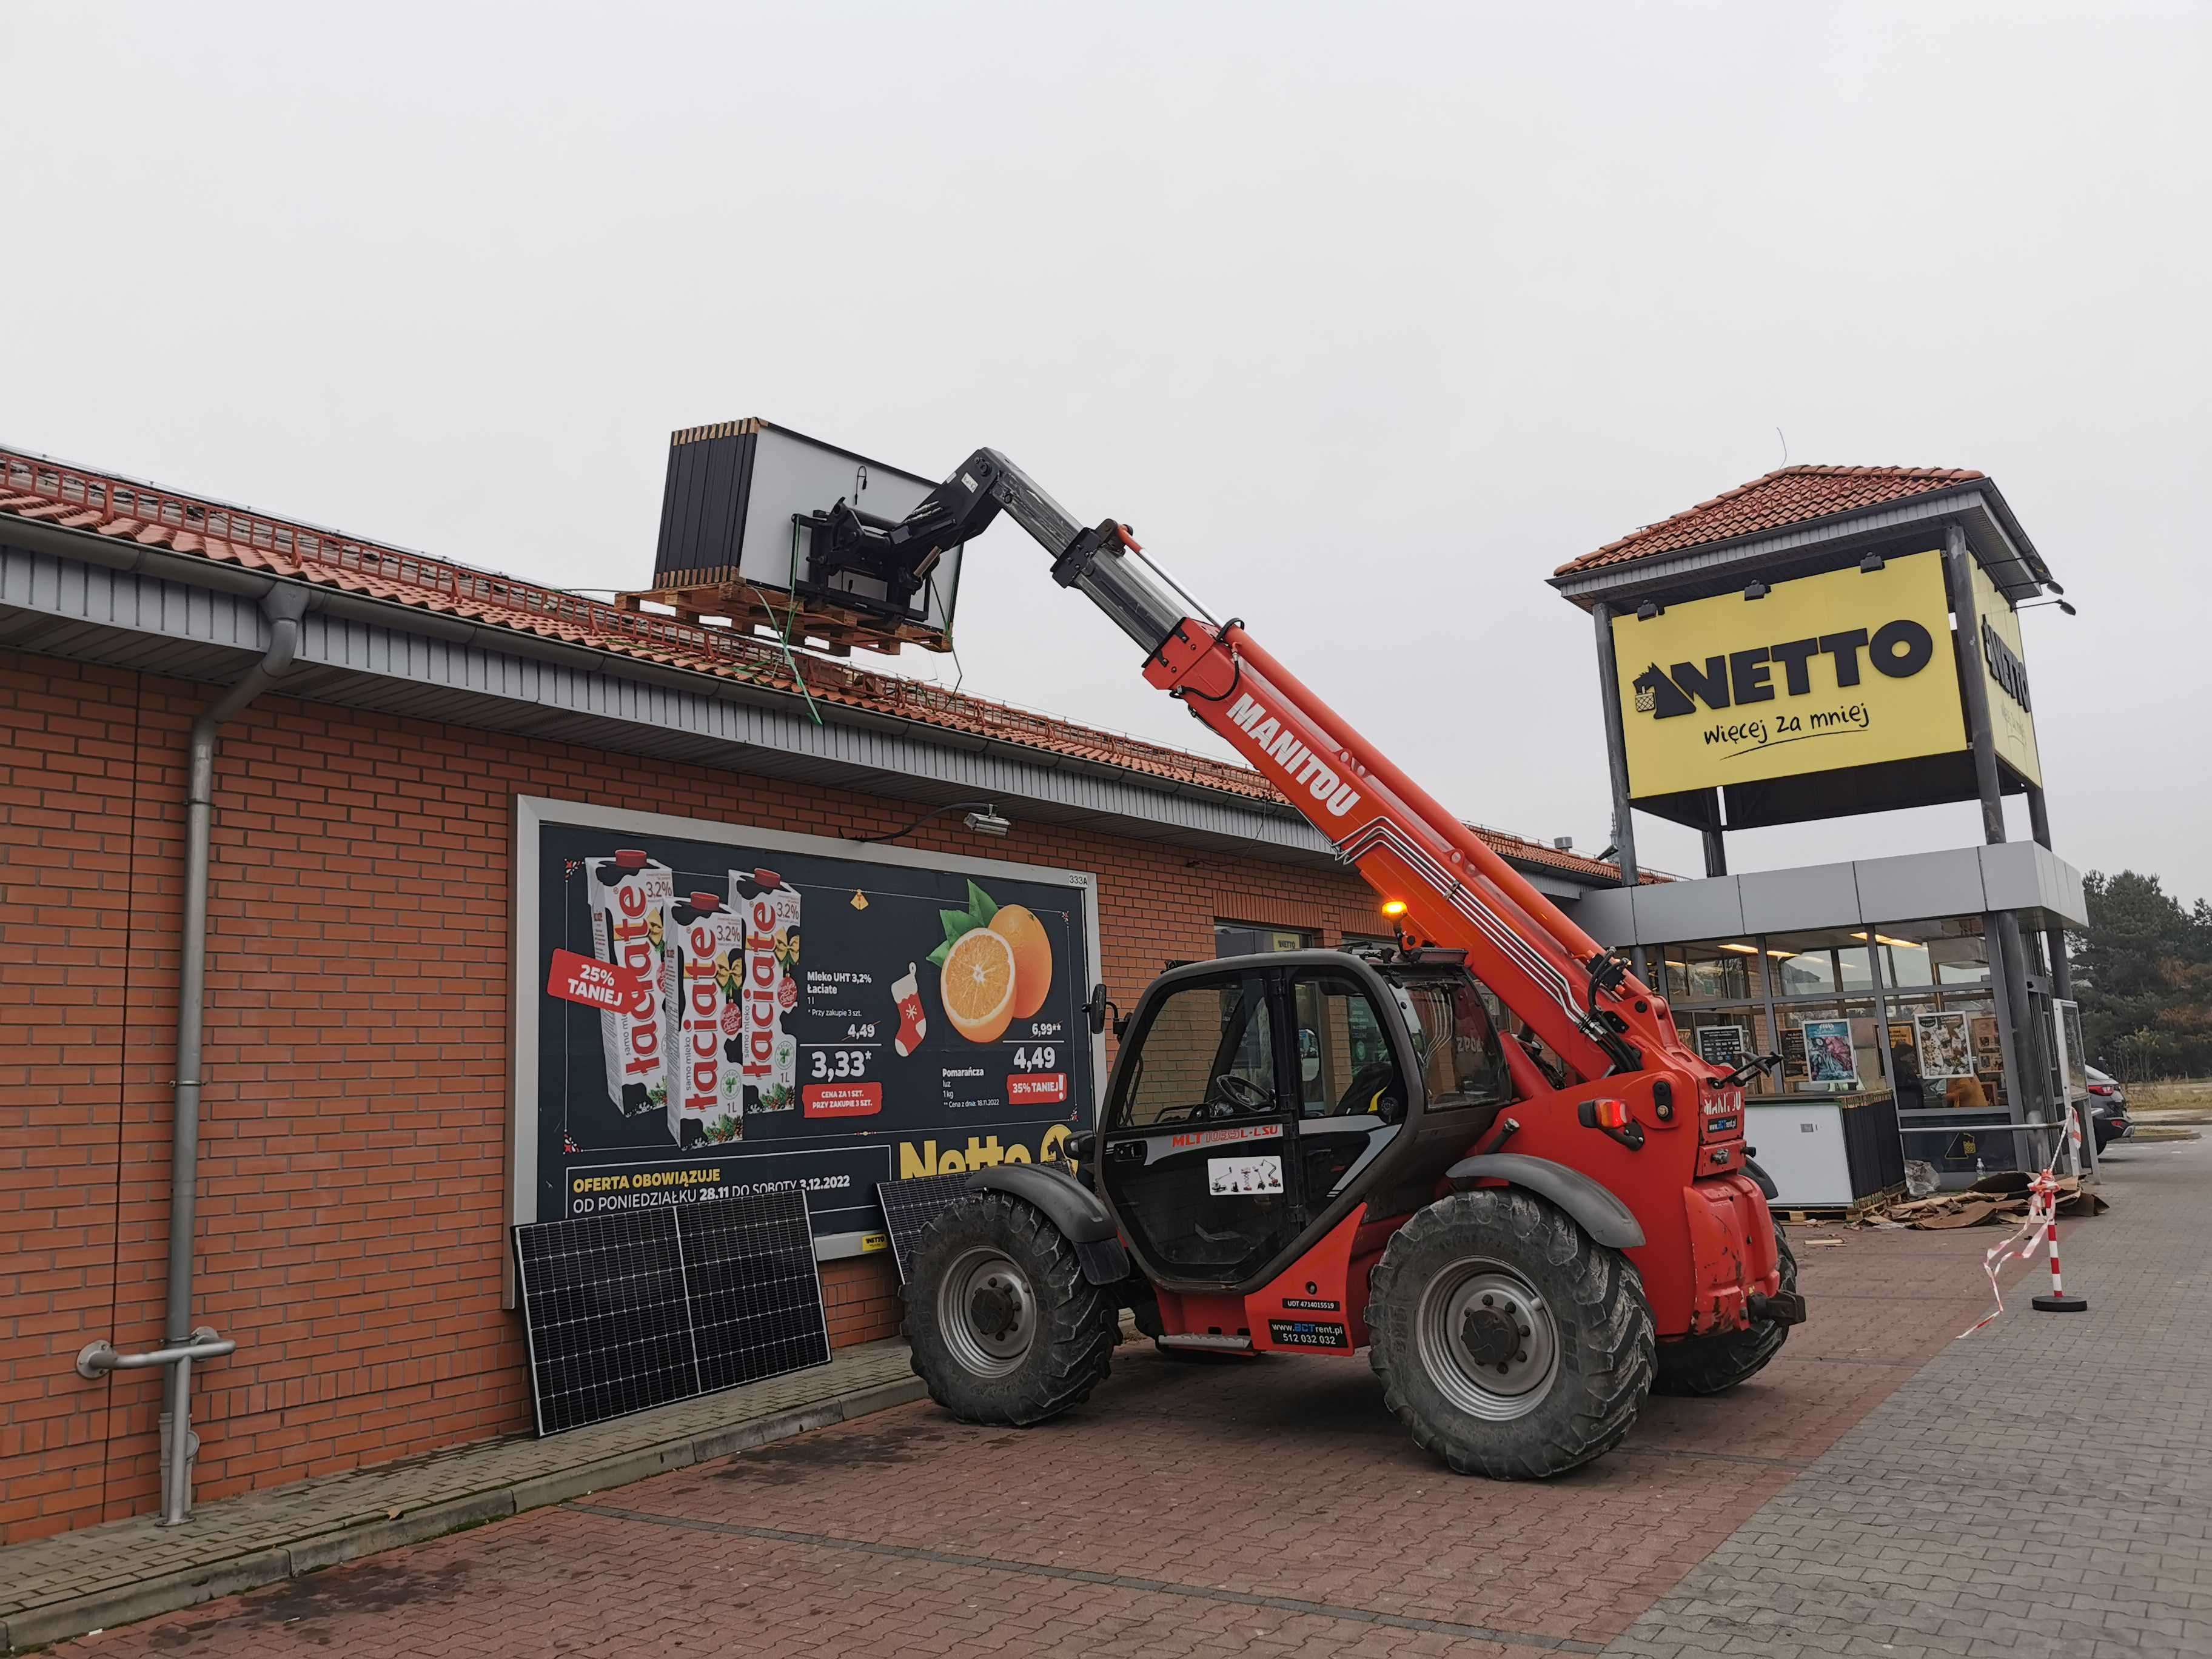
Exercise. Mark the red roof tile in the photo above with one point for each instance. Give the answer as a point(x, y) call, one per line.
point(1795, 495)
point(36, 489)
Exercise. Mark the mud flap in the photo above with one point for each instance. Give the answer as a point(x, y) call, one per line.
point(1732, 1248)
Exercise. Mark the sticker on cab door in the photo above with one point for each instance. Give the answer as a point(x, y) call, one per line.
point(1252, 1177)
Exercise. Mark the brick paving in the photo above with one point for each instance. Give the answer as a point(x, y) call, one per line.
point(1274, 1507)
point(67, 1583)
point(2044, 1489)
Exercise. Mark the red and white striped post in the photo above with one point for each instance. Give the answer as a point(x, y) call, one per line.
point(2057, 1301)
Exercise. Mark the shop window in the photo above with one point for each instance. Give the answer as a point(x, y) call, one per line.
point(1237, 938)
point(1946, 1051)
point(1916, 954)
point(1832, 1047)
point(1714, 970)
point(1817, 963)
point(1729, 1036)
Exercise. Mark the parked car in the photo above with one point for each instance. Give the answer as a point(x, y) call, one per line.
point(2108, 1109)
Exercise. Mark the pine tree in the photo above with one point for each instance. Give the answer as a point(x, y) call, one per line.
point(2143, 974)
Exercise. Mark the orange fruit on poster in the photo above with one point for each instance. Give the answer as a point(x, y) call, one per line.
point(1032, 948)
point(977, 985)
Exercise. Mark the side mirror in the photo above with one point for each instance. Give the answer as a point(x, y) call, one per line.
point(1081, 1144)
point(1095, 1011)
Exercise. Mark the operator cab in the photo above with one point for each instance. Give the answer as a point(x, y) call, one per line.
point(1258, 1099)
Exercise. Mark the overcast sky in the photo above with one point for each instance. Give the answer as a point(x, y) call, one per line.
point(1365, 317)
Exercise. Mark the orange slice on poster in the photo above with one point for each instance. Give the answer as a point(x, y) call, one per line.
point(977, 985)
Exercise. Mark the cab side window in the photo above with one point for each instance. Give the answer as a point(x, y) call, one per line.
point(1462, 1062)
point(1207, 1054)
point(1345, 1065)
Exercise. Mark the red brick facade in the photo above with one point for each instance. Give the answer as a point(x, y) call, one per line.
point(353, 1165)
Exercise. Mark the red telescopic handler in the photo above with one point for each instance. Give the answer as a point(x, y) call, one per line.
point(1483, 1153)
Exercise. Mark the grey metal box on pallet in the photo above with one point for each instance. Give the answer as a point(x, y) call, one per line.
point(727, 512)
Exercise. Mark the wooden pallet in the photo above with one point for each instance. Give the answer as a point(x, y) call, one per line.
point(835, 629)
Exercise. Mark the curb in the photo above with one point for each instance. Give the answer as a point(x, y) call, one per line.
point(172, 1592)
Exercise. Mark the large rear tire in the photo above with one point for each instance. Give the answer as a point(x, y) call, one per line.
point(1709, 1364)
point(1005, 1327)
point(1509, 1342)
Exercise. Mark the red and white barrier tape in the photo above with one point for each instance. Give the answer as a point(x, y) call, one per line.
point(2040, 1227)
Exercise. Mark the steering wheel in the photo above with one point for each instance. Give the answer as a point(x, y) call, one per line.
point(1232, 1094)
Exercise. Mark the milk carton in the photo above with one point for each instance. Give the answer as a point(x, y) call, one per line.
point(629, 897)
point(705, 1086)
point(771, 988)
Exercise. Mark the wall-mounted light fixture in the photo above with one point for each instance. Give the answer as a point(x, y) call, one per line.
point(1757, 591)
point(1872, 562)
point(1650, 608)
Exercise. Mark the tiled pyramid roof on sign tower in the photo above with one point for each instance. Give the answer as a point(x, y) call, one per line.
point(1790, 496)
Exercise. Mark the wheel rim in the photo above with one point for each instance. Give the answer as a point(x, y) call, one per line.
point(987, 1309)
point(1487, 1339)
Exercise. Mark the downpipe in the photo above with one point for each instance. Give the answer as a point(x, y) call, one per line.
point(284, 605)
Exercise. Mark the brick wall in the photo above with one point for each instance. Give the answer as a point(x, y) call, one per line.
point(352, 1176)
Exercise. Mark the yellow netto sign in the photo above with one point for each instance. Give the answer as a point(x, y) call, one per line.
point(2004, 666)
point(1851, 668)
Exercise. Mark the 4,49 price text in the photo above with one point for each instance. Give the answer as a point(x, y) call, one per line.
point(1040, 1059)
point(825, 1063)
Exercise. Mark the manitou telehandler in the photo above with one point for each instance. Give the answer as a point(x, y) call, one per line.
point(1483, 1154)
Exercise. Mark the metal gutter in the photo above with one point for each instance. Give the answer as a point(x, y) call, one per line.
point(191, 570)
point(284, 606)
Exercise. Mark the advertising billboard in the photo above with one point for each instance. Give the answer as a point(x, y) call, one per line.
point(707, 1011)
point(1849, 668)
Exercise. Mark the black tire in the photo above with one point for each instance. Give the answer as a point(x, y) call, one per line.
point(1005, 1327)
point(1500, 1264)
point(1709, 1364)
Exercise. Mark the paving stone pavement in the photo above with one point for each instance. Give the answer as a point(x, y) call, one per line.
point(2044, 1488)
point(1274, 1507)
point(50, 1587)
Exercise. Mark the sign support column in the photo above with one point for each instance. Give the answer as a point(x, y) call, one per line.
point(1616, 758)
point(2001, 926)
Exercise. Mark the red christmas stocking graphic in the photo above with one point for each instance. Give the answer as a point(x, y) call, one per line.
point(912, 1027)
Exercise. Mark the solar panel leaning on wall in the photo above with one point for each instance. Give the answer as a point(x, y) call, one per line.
point(911, 1205)
point(625, 1312)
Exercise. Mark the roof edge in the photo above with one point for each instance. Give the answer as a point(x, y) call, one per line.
point(1584, 588)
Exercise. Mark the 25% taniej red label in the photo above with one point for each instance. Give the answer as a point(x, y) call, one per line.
point(593, 984)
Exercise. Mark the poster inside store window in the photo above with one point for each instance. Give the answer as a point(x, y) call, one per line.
point(1946, 1046)
point(1832, 1061)
point(717, 1015)
point(1725, 1046)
